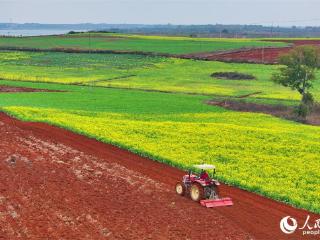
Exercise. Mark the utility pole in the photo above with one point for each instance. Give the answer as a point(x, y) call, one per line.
point(10, 26)
point(92, 83)
point(262, 53)
point(89, 42)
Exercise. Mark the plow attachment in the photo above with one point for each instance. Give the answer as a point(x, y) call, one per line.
point(222, 202)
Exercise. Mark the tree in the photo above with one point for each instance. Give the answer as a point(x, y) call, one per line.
point(298, 73)
point(225, 31)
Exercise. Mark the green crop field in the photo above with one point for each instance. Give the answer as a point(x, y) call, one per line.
point(146, 73)
point(258, 152)
point(132, 43)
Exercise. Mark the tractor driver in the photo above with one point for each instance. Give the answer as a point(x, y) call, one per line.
point(204, 175)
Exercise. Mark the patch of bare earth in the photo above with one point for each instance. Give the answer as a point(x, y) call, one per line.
point(275, 110)
point(232, 76)
point(9, 89)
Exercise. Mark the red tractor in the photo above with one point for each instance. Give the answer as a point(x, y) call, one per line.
point(201, 188)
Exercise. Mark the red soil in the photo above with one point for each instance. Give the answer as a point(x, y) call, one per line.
point(299, 42)
point(254, 55)
point(55, 184)
point(259, 55)
point(5, 89)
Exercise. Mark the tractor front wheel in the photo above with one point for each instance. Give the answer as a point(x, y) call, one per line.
point(180, 189)
point(196, 192)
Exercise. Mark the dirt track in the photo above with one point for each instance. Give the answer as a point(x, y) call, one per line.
point(58, 185)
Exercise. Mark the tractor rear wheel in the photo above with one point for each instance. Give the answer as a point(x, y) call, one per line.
point(180, 189)
point(196, 192)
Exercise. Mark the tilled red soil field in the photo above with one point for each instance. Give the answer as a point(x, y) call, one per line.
point(258, 55)
point(267, 55)
point(55, 184)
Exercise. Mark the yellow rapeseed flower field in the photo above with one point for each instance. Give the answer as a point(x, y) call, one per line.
point(270, 156)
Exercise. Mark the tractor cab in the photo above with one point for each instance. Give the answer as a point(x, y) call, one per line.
point(205, 177)
point(202, 187)
point(207, 172)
